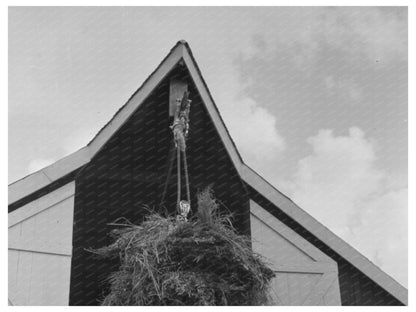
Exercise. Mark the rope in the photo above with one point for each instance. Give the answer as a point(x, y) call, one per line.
point(180, 132)
point(188, 193)
point(178, 156)
point(171, 158)
point(179, 180)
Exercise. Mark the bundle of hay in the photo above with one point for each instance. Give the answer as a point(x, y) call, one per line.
point(199, 262)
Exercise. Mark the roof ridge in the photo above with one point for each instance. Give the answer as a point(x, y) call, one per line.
point(180, 42)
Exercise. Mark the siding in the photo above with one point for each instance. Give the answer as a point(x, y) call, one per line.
point(304, 275)
point(357, 289)
point(40, 247)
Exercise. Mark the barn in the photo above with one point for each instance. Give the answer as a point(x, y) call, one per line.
point(57, 212)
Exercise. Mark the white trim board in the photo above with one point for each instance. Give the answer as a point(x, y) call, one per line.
point(43, 177)
point(38, 205)
point(279, 227)
point(47, 175)
point(317, 263)
point(52, 249)
point(322, 287)
point(181, 51)
point(324, 234)
point(212, 111)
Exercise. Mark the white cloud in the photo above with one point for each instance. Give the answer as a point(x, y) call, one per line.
point(252, 127)
point(38, 164)
point(254, 130)
point(340, 185)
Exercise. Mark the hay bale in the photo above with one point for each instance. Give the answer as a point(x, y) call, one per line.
point(199, 262)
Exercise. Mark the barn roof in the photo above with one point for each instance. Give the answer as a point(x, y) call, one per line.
point(36, 184)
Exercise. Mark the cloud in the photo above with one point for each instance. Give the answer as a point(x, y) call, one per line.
point(254, 130)
point(373, 33)
point(295, 49)
point(382, 234)
point(252, 127)
point(340, 185)
point(339, 173)
point(38, 164)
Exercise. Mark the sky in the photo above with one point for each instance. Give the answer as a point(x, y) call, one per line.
point(314, 97)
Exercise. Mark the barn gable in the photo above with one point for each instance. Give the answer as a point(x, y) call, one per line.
point(131, 170)
point(118, 170)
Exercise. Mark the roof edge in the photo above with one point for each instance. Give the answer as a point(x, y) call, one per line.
point(48, 175)
point(172, 50)
point(320, 231)
point(181, 50)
